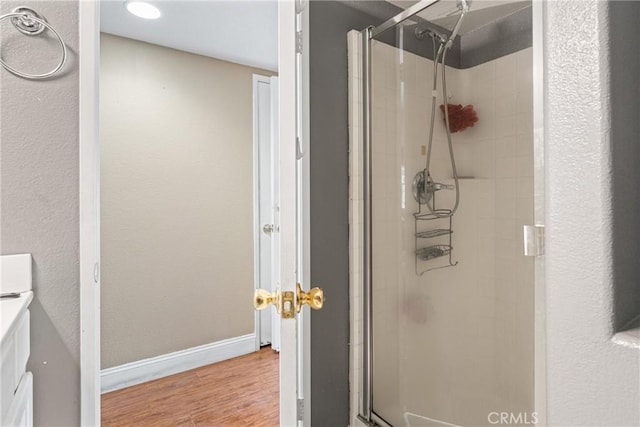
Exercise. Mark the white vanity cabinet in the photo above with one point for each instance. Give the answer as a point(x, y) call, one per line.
point(16, 384)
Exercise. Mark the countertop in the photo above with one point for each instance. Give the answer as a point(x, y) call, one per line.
point(10, 308)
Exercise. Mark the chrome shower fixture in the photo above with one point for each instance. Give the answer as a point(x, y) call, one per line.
point(423, 189)
point(435, 34)
point(440, 34)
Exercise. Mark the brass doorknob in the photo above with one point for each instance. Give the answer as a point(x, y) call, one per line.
point(285, 301)
point(263, 299)
point(314, 298)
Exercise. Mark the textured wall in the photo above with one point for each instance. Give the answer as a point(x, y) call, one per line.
point(176, 136)
point(591, 381)
point(39, 187)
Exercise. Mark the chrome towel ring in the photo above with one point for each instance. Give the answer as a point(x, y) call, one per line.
point(31, 23)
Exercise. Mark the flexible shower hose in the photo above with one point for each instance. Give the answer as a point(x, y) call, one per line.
point(441, 55)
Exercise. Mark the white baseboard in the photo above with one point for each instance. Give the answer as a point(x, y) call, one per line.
point(173, 363)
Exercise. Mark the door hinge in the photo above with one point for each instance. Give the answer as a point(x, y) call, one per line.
point(300, 5)
point(300, 409)
point(533, 240)
point(299, 152)
point(299, 42)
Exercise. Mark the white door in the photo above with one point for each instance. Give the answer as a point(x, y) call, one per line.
point(266, 207)
point(287, 108)
point(289, 297)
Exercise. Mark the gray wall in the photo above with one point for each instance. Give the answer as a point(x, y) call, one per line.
point(329, 24)
point(591, 381)
point(624, 34)
point(39, 190)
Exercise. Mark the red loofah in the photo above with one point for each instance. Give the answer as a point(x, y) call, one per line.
point(460, 117)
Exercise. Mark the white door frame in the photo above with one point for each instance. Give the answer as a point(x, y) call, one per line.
point(89, 158)
point(89, 194)
point(304, 211)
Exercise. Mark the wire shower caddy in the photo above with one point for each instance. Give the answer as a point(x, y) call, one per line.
point(438, 248)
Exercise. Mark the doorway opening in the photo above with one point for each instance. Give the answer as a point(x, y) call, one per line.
point(189, 215)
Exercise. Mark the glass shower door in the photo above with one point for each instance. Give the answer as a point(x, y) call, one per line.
point(452, 296)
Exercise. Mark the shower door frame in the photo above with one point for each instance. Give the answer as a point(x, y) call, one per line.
point(365, 411)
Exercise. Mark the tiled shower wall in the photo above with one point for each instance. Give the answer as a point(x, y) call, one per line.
point(454, 344)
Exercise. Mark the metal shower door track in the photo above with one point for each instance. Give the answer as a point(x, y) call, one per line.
point(402, 16)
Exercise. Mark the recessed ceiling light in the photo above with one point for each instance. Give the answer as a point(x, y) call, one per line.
point(143, 9)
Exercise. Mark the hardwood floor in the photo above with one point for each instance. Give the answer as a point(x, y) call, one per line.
point(238, 392)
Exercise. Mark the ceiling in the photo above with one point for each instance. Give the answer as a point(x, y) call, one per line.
point(244, 32)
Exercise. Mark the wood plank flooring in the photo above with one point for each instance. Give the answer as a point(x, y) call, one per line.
point(238, 392)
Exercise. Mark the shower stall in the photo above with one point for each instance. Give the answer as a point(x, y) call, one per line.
point(444, 178)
